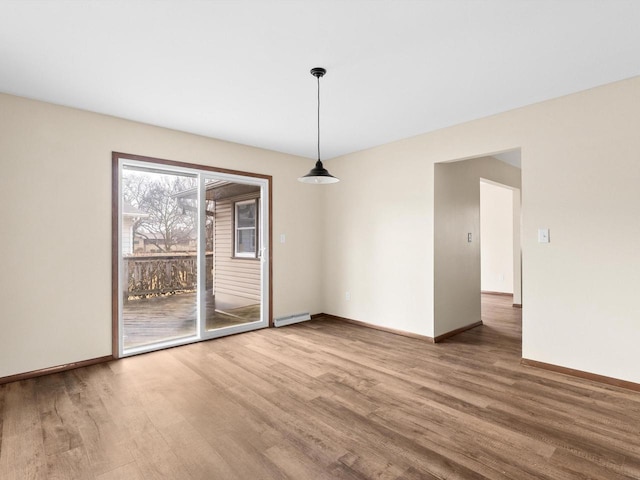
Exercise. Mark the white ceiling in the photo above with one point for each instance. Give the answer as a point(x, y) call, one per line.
point(239, 70)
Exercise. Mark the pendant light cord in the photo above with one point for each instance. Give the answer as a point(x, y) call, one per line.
point(318, 78)
point(318, 174)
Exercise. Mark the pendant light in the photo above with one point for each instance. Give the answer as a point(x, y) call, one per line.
point(318, 174)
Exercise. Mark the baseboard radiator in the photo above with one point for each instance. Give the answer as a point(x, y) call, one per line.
point(291, 319)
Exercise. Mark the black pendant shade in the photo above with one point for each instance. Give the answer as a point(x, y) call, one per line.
point(318, 174)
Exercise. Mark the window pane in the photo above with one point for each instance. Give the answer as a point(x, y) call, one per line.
point(246, 215)
point(247, 240)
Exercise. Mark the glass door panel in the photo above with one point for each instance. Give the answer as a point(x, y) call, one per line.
point(234, 277)
point(159, 255)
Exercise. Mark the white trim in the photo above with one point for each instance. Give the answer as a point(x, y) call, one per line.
point(236, 253)
point(120, 262)
point(202, 257)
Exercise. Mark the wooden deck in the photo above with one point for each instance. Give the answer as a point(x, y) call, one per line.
point(151, 320)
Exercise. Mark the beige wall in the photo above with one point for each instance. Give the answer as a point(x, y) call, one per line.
point(496, 238)
point(378, 239)
point(456, 260)
point(374, 229)
point(55, 294)
point(580, 176)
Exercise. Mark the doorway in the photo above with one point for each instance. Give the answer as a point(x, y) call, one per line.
point(457, 262)
point(500, 278)
point(500, 240)
point(191, 253)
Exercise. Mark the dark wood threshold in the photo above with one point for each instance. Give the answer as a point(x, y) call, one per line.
point(616, 382)
point(450, 334)
point(517, 305)
point(375, 327)
point(60, 368)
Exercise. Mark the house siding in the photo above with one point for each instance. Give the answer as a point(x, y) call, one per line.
point(237, 280)
point(127, 235)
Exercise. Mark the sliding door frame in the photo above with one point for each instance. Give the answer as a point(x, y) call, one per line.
point(116, 239)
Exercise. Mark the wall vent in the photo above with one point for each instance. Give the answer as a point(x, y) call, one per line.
point(290, 319)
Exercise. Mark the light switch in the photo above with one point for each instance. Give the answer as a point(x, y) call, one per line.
point(282, 238)
point(543, 235)
point(469, 237)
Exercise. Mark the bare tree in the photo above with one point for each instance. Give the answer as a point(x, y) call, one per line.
point(167, 222)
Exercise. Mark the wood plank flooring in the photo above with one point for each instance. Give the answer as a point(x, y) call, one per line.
point(323, 400)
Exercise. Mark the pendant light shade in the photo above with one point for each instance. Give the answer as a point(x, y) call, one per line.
point(318, 174)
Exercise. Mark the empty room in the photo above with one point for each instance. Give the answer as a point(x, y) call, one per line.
point(385, 239)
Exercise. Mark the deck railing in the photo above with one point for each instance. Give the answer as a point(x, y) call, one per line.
point(150, 275)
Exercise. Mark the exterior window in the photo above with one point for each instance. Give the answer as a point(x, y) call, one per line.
point(246, 216)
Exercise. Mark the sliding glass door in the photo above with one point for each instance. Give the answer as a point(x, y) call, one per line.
point(192, 254)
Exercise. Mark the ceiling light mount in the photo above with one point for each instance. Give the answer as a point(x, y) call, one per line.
point(318, 72)
point(318, 174)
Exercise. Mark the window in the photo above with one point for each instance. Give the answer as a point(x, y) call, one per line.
point(246, 228)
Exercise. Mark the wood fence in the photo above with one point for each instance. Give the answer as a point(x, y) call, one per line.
point(163, 274)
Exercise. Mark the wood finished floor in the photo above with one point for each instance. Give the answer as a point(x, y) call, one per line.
point(323, 400)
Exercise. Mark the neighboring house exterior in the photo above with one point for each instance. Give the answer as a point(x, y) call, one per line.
point(144, 242)
point(236, 263)
point(232, 211)
point(129, 216)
